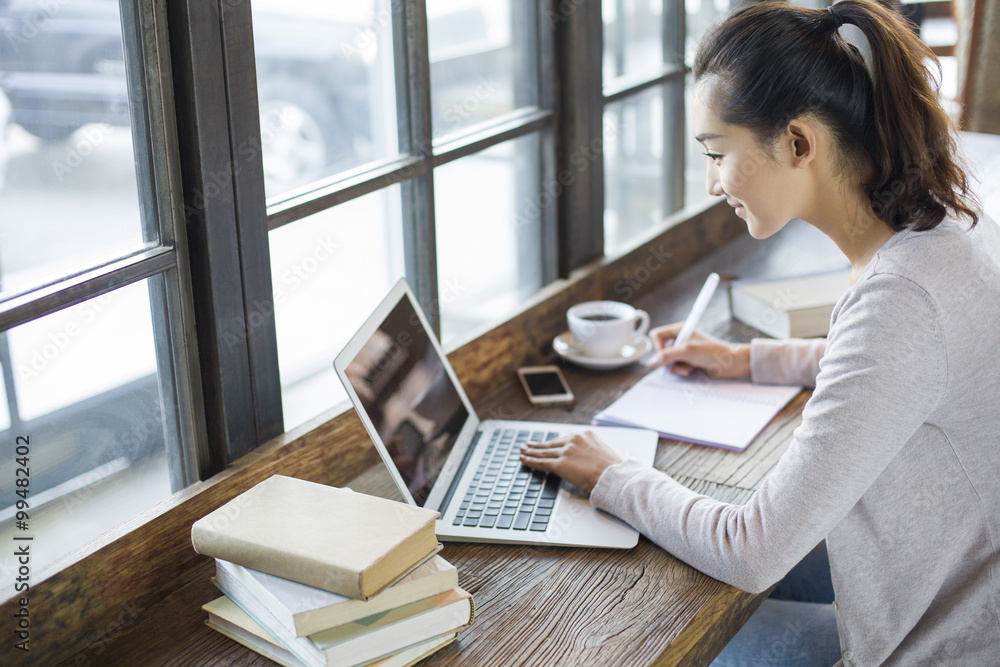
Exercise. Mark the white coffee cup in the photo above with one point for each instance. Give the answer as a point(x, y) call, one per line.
point(603, 328)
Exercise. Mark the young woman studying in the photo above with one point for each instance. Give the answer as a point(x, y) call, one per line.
point(895, 464)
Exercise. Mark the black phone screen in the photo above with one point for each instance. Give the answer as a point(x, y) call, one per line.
point(545, 383)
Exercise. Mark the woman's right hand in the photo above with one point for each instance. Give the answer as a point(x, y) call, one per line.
point(718, 358)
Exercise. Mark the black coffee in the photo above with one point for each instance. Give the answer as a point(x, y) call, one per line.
point(599, 317)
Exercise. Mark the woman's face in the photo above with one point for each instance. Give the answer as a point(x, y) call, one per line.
point(762, 187)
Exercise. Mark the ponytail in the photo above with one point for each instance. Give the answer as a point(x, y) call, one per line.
point(774, 62)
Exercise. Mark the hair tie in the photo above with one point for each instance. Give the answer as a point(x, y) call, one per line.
point(837, 20)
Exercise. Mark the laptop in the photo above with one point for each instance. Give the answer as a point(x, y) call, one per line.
point(443, 457)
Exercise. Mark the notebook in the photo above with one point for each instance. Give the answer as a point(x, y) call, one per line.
point(444, 458)
point(720, 413)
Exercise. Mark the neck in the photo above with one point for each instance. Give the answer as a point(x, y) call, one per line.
point(848, 220)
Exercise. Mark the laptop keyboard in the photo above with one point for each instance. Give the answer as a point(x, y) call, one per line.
point(503, 493)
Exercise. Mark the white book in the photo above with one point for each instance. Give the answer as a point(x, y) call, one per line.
point(720, 413)
point(303, 610)
point(798, 307)
point(375, 637)
point(226, 617)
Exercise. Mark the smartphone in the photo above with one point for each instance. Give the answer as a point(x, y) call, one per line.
point(545, 385)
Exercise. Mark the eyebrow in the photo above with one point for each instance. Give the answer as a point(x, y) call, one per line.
point(702, 138)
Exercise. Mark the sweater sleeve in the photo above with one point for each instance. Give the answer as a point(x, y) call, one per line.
point(794, 361)
point(883, 372)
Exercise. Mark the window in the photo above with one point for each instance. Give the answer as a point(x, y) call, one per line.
point(643, 92)
point(357, 244)
point(203, 200)
point(392, 151)
point(96, 382)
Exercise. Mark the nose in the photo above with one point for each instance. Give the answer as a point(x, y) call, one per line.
point(712, 183)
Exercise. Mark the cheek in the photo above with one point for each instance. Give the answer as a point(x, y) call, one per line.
point(752, 183)
point(735, 181)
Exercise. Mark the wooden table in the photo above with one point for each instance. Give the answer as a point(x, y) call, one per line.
point(568, 606)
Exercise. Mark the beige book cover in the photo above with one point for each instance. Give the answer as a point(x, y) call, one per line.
point(334, 539)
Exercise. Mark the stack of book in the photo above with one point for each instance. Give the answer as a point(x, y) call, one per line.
point(317, 575)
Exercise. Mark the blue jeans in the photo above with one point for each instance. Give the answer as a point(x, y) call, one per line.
point(795, 627)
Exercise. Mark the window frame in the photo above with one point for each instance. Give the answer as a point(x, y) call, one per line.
point(163, 260)
point(671, 78)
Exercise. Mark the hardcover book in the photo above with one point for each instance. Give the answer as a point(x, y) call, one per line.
point(378, 636)
point(304, 610)
point(797, 307)
point(226, 617)
point(334, 539)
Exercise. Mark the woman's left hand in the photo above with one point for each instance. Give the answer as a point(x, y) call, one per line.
point(579, 458)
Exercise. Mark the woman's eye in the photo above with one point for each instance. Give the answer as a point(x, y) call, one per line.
point(715, 157)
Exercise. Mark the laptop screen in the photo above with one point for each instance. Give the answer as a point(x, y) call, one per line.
point(409, 398)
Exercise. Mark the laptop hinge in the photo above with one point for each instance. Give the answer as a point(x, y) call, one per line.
point(458, 474)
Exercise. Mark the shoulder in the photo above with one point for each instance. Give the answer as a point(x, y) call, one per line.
point(920, 281)
point(949, 264)
point(940, 257)
point(884, 305)
point(897, 297)
point(888, 328)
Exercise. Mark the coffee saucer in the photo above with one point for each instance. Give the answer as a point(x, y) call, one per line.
point(567, 347)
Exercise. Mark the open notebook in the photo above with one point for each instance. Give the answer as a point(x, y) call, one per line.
point(720, 413)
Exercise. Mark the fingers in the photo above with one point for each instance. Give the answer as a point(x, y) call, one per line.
point(551, 449)
point(669, 355)
point(549, 444)
point(541, 451)
point(542, 455)
point(544, 459)
point(545, 465)
point(682, 369)
point(664, 335)
point(579, 459)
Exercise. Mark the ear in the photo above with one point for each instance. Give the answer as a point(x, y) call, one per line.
point(801, 139)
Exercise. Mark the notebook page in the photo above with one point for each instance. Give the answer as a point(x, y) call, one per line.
point(721, 413)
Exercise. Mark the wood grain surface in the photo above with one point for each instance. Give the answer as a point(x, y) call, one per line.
point(134, 598)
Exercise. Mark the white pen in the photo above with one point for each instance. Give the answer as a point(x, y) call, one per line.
point(697, 310)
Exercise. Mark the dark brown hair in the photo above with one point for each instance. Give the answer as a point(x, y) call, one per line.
point(774, 62)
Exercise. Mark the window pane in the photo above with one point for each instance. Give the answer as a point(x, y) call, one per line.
point(326, 88)
point(634, 176)
point(87, 394)
point(329, 271)
point(68, 195)
point(700, 15)
point(480, 68)
point(633, 37)
point(488, 208)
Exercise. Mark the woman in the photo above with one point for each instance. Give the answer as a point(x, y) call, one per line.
point(895, 463)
